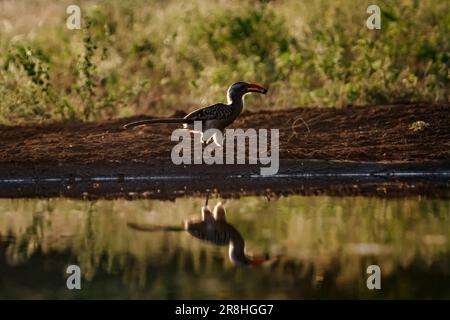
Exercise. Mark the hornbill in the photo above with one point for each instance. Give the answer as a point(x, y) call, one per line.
point(217, 116)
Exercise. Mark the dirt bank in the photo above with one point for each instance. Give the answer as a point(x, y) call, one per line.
point(159, 179)
point(376, 133)
point(65, 158)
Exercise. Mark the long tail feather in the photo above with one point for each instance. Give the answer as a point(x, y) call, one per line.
point(152, 121)
point(151, 228)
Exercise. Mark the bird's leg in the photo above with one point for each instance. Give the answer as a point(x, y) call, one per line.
point(207, 198)
point(216, 140)
point(199, 133)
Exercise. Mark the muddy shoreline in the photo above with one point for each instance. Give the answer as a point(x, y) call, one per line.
point(349, 151)
point(160, 179)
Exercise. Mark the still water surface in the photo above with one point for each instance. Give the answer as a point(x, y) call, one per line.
point(295, 248)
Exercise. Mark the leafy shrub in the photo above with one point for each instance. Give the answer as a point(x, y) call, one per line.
point(139, 56)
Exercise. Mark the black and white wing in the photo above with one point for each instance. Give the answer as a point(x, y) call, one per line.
point(215, 112)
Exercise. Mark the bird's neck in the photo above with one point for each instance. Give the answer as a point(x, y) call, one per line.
point(237, 251)
point(236, 101)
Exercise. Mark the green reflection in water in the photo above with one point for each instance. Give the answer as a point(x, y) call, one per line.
point(318, 247)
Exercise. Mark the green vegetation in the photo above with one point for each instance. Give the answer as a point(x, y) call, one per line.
point(158, 56)
point(418, 126)
point(324, 245)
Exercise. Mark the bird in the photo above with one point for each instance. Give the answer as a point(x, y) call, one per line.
point(214, 229)
point(217, 116)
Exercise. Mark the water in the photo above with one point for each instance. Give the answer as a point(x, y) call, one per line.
point(306, 247)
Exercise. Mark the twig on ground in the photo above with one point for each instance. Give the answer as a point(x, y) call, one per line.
point(293, 126)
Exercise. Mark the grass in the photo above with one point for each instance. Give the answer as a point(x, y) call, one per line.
point(159, 56)
point(419, 126)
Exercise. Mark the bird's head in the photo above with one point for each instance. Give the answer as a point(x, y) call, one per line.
point(239, 89)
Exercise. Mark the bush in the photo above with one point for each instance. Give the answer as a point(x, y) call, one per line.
point(140, 56)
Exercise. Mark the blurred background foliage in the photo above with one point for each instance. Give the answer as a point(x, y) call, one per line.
point(159, 56)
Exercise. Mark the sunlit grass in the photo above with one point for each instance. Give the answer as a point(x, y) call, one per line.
point(159, 56)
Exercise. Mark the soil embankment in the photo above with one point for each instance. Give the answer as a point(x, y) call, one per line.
point(68, 156)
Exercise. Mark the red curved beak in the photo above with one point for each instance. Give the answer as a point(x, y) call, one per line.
point(253, 87)
point(258, 261)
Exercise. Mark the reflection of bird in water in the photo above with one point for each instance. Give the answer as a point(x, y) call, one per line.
point(213, 228)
